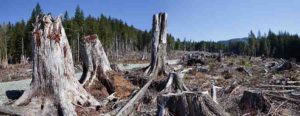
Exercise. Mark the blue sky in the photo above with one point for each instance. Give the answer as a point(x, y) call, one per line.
point(191, 19)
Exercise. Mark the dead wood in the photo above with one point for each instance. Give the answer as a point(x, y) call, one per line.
point(284, 98)
point(158, 60)
point(279, 86)
point(176, 99)
point(253, 101)
point(159, 45)
point(53, 89)
point(284, 66)
point(243, 69)
point(277, 91)
point(175, 84)
point(4, 63)
point(220, 56)
point(23, 60)
point(127, 109)
point(195, 61)
point(95, 65)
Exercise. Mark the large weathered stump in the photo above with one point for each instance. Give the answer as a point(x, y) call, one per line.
point(95, 65)
point(253, 101)
point(159, 45)
point(53, 90)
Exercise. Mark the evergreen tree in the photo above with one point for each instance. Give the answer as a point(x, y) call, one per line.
point(252, 44)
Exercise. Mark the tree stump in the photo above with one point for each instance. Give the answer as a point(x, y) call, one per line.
point(177, 100)
point(53, 90)
point(220, 56)
point(159, 44)
point(95, 65)
point(4, 63)
point(253, 101)
point(23, 60)
point(175, 84)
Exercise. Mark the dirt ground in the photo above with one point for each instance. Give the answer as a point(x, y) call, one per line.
point(15, 72)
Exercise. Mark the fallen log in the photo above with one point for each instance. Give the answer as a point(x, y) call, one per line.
point(292, 82)
point(279, 86)
point(284, 98)
point(284, 66)
point(127, 109)
point(277, 91)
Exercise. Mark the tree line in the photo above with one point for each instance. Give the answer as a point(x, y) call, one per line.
point(119, 38)
point(280, 45)
point(116, 36)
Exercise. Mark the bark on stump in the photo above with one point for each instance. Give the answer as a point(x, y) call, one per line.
point(253, 101)
point(95, 65)
point(53, 90)
point(179, 101)
point(159, 45)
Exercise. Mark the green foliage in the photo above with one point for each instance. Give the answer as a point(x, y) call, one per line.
point(245, 62)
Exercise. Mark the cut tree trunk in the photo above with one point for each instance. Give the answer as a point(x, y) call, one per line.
point(159, 44)
point(253, 101)
point(220, 56)
point(177, 100)
point(23, 60)
point(144, 54)
point(53, 90)
point(95, 65)
point(4, 63)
